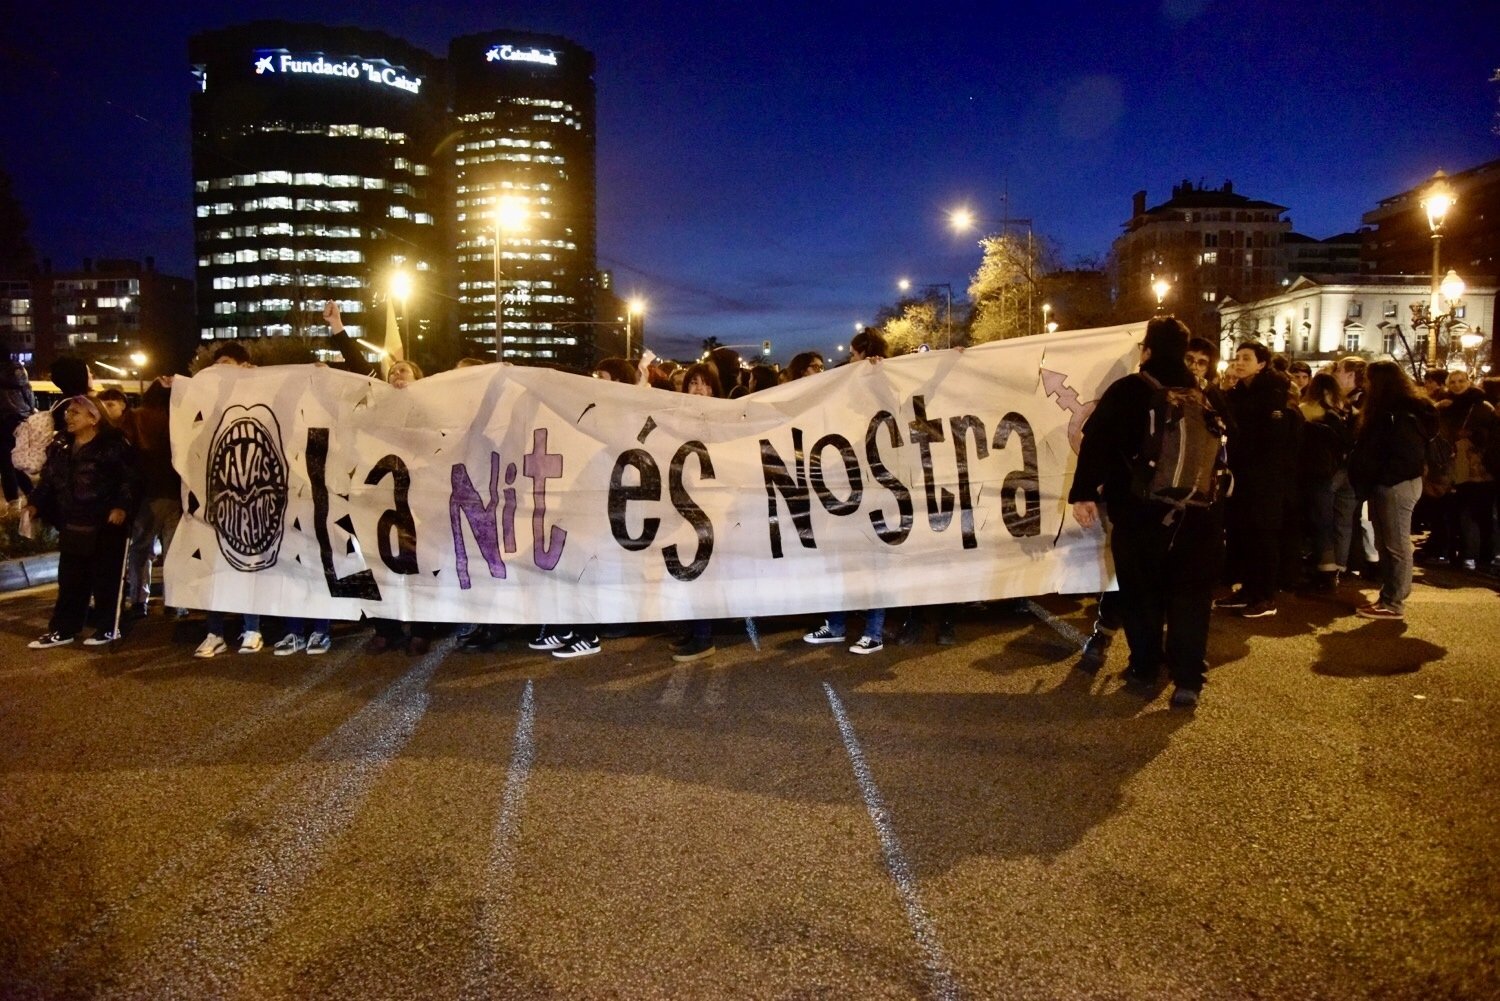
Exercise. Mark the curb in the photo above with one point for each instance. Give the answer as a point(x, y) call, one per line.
point(29, 571)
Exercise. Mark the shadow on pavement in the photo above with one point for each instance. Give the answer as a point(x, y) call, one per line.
point(1378, 649)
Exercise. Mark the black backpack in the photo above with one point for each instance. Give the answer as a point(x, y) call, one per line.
point(1182, 460)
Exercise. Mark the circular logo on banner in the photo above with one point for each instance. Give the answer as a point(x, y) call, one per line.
point(247, 487)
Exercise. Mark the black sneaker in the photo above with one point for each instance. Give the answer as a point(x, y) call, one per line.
point(578, 646)
point(1094, 651)
point(549, 640)
point(947, 636)
point(1259, 610)
point(49, 640)
point(102, 638)
point(1185, 698)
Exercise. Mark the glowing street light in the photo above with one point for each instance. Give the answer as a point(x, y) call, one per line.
point(1452, 288)
point(510, 217)
point(904, 284)
point(1436, 203)
point(636, 307)
point(1161, 287)
point(961, 220)
point(400, 286)
point(139, 359)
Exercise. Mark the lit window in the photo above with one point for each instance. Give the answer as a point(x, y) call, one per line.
point(1209, 257)
point(398, 212)
point(1353, 337)
point(274, 177)
point(374, 183)
point(311, 178)
point(1356, 310)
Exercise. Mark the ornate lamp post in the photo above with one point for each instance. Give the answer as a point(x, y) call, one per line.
point(1438, 200)
point(1161, 287)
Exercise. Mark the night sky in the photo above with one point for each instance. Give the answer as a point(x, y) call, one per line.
point(769, 170)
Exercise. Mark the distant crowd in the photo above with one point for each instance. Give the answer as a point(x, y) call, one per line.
point(1262, 474)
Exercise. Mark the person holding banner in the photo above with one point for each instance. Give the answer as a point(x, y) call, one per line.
point(1167, 558)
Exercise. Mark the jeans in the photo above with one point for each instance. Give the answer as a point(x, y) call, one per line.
point(158, 516)
point(218, 623)
point(874, 623)
point(1333, 521)
point(1475, 503)
point(299, 626)
point(1390, 511)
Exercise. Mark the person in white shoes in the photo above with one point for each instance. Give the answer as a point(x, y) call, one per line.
point(251, 640)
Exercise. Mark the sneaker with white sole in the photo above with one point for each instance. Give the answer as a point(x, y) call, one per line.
point(49, 640)
point(252, 642)
point(319, 643)
point(1376, 610)
point(289, 644)
point(213, 644)
point(823, 634)
point(103, 638)
point(579, 646)
point(550, 641)
point(868, 644)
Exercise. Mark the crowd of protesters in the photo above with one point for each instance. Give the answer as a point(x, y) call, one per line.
point(1325, 474)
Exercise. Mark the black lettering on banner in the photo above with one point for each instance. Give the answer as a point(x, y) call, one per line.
point(1023, 483)
point(793, 492)
point(621, 494)
point(830, 502)
point(961, 426)
point(397, 521)
point(691, 513)
point(464, 503)
point(890, 536)
point(361, 584)
point(923, 433)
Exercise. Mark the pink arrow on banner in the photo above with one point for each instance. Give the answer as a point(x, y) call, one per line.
point(1056, 384)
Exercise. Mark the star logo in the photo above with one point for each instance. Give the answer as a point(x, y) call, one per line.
point(493, 54)
point(263, 65)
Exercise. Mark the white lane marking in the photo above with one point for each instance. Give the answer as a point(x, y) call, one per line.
point(234, 901)
point(1060, 627)
point(502, 865)
point(676, 686)
point(943, 983)
point(713, 695)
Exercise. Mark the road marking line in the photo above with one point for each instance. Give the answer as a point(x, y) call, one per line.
point(294, 821)
point(1060, 627)
point(502, 866)
point(943, 983)
point(676, 686)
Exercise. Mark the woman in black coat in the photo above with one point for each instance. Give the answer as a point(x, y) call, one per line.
point(87, 491)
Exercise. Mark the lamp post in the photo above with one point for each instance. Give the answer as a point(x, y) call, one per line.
point(962, 220)
point(636, 307)
point(510, 216)
point(905, 285)
point(1161, 287)
point(1438, 200)
point(400, 291)
point(1435, 317)
point(139, 359)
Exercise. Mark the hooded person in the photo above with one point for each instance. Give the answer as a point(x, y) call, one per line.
point(1166, 558)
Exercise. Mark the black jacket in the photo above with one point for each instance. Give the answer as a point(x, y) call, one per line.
point(1113, 435)
point(81, 484)
point(1392, 448)
point(1267, 429)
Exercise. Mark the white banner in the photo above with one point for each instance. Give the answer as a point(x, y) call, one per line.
point(510, 494)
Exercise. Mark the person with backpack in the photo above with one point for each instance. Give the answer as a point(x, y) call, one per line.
point(1327, 439)
point(1151, 462)
point(1390, 451)
point(1262, 457)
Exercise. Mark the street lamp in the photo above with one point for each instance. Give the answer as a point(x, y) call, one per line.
point(634, 308)
point(510, 217)
point(400, 291)
point(963, 219)
point(139, 359)
point(1161, 287)
point(1046, 312)
point(1435, 317)
point(1438, 200)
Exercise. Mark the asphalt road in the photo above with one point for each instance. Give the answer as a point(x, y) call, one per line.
point(977, 821)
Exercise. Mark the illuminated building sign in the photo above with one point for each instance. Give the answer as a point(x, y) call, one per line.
point(511, 54)
point(378, 71)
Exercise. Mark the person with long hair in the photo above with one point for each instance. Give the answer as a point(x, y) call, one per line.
point(1385, 467)
point(1324, 475)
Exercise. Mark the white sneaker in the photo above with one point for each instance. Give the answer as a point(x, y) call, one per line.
point(102, 638)
point(213, 644)
point(318, 643)
point(251, 642)
point(823, 634)
point(289, 644)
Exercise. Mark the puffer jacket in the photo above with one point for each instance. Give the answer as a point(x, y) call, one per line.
point(81, 484)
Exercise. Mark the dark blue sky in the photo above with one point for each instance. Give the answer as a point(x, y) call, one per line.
point(770, 170)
